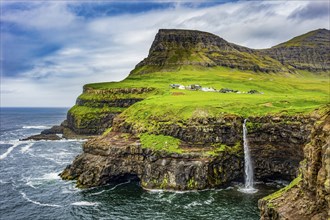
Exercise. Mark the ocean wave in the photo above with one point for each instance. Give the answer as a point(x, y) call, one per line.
point(70, 189)
point(14, 145)
point(38, 203)
point(36, 127)
point(85, 203)
point(209, 201)
point(26, 148)
point(3, 182)
point(51, 176)
point(113, 188)
point(173, 191)
point(193, 204)
point(35, 182)
point(30, 184)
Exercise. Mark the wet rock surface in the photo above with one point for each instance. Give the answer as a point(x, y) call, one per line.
point(117, 156)
point(308, 198)
point(39, 137)
point(276, 144)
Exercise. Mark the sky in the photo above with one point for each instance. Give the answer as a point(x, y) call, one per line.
point(50, 49)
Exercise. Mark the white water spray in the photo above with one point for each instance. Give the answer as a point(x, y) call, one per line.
point(248, 169)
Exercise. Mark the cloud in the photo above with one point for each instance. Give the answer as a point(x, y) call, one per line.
point(313, 10)
point(51, 48)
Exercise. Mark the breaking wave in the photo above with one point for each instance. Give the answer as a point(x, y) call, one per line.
point(36, 127)
point(14, 145)
point(38, 203)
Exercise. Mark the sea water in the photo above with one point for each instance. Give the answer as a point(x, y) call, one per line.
point(30, 187)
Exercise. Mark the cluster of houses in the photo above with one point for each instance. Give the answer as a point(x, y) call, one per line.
point(196, 87)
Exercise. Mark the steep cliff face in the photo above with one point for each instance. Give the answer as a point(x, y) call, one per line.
point(211, 153)
point(119, 156)
point(96, 109)
point(308, 196)
point(310, 51)
point(276, 145)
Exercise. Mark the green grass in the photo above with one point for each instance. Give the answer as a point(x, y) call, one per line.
point(280, 192)
point(282, 94)
point(83, 115)
point(219, 148)
point(301, 40)
point(83, 110)
point(160, 142)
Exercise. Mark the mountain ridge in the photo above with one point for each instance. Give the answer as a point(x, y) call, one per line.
point(173, 48)
point(309, 51)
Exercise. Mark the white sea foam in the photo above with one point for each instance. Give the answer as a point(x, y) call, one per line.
point(36, 127)
point(173, 191)
point(26, 148)
point(14, 144)
point(30, 184)
point(3, 182)
point(33, 182)
point(51, 176)
point(85, 203)
point(193, 204)
point(70, 189)
point(102, 191)
point(248, 190)
point(38, 203)
point(209, 201)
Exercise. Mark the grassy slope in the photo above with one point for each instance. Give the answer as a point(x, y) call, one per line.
point(289, 94)
point(300, 41)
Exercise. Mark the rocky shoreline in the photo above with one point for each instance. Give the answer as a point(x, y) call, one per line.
point(276, 149)
point(280, 147)
point(308, 197)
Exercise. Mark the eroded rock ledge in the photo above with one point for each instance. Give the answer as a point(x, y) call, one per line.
point(118, 156)
point(308, 196)
point(276, 147)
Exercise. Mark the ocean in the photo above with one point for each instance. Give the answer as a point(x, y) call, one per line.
point(30, 187)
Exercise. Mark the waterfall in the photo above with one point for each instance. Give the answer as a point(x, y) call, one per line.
point(248, 169)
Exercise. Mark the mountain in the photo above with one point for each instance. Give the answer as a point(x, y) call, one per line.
point(174, 48)
point(310, 51)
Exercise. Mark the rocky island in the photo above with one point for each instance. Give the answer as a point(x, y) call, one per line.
point(189, 139)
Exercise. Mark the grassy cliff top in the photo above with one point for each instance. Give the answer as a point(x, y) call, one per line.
point(278, 93)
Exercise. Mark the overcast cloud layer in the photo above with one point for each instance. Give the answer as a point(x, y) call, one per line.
point(50, 49)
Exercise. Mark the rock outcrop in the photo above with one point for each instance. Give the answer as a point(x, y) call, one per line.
point(118, 156)
point(39, 137)
point(276, 147)
point(310, 51)
point(96, 109)
point(308, 196)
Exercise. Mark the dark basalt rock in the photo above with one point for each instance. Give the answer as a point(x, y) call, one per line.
point(95, 126)
point(275, 143)
point(307, 52)
point(308, 197)
point(39, 137)
point(113, 157)
point(57, 129)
